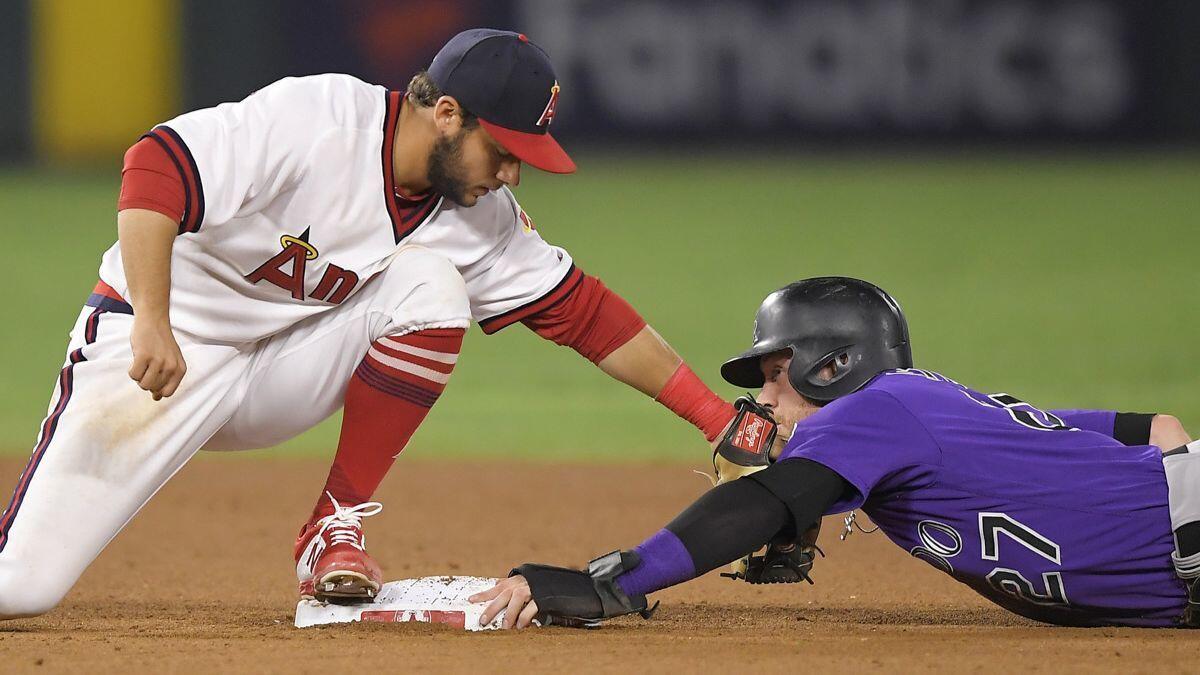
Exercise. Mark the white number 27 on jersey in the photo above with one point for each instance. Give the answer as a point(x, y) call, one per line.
point(940, 542)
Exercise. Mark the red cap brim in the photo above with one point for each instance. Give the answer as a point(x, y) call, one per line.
point(540, 151)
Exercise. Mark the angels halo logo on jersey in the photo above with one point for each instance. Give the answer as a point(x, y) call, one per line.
point(310, 251)
point(551, 106)
point(335, 285)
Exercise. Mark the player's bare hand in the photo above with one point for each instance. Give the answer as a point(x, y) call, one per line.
point(158, 365)
point(513, 595)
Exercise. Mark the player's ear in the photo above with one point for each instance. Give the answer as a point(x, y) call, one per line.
point(447, 115)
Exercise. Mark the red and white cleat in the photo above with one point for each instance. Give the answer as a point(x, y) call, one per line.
point(332, 564)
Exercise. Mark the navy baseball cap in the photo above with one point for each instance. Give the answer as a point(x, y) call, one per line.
point(508, 82)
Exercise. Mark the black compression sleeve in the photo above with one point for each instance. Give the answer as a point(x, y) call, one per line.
point(805, 487)
point(1133, 428)
point(728, 522)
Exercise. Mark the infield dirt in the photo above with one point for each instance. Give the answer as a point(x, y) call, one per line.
point(202, 581)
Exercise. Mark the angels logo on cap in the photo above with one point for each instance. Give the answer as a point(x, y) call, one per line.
point(548, 114)
point(502, 77)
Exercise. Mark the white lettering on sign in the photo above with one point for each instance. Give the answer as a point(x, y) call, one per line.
point(910, 64)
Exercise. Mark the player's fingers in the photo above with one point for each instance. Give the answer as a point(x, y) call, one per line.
point(484, 596)
point(160, 379)
point(173, 380)
point(153, 384)
point(138, 368)
point(149, 378)
point(158, 383)
point(527, 615)
point(516, 603)
point(493, 609)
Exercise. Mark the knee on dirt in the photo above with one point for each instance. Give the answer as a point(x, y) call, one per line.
point(424, 290)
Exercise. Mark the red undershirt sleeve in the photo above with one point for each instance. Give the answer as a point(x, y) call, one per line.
point(592, 320)
point(150, 180)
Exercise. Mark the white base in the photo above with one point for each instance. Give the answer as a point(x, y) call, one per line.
point(428, 599)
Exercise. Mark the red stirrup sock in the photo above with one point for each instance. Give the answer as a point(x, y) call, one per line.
point(687, 396)
point(389, 395)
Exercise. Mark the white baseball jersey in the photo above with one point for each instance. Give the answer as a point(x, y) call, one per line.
point(290, 209)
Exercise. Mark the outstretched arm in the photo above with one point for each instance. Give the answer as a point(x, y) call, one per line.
point(606, 330)
point(726, 523)
point(645, 363)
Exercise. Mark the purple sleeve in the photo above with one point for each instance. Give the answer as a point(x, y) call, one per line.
point(665, 562)
point(869, 439)
point(1100, 421)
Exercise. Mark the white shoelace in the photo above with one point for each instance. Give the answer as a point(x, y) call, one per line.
point(344, 525)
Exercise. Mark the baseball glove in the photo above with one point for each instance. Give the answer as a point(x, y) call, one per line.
point(778, 565)
point(746, 445)
point(783, 562)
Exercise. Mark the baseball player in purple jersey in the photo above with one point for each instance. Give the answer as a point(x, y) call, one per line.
point(1071, 517)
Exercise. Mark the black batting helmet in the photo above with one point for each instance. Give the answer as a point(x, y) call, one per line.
point(849, 324)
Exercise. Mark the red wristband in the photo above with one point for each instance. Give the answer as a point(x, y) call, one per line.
point(687, 396)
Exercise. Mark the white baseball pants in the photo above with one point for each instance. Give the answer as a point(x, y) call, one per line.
point(105, 447)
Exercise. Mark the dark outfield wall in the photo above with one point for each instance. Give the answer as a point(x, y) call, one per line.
point(1050, 69)
point(14, 79)
point(688, 69)
point(377, 40)
point(683, 70)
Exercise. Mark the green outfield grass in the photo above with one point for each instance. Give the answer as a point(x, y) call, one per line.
point(1069, 281)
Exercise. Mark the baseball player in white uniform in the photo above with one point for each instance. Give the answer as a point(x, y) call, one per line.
point(323, 243)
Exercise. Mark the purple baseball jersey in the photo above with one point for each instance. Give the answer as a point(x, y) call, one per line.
point(1044, 513)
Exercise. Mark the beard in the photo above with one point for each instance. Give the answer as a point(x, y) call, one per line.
point(446, 173)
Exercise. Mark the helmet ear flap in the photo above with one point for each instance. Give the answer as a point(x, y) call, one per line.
point(841, 366)
point(811, 384)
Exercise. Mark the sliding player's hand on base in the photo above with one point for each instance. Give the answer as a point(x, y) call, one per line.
point(511, 594)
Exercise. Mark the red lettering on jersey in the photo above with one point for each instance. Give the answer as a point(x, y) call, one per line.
point(526, 223)
point(336, 285)
point(548, 114)
point(272, 270)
